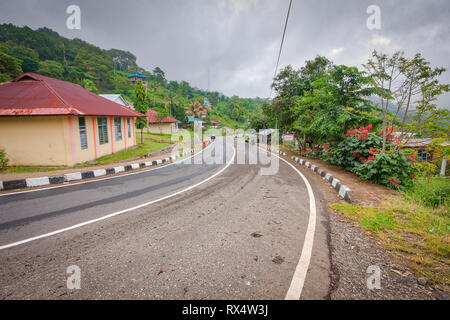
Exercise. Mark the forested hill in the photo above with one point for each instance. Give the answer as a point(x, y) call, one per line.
point(45, 52)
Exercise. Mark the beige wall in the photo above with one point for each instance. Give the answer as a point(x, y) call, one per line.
point(167, 128)
point(55, 140)
point(33, 140)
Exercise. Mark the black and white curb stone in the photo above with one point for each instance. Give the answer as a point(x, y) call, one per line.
point(69, 177)
point(276, 151)
point(343, 191)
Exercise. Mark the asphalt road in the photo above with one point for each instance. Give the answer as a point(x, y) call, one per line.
point(238, 235)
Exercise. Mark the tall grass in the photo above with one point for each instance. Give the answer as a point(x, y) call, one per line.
point(432, 192)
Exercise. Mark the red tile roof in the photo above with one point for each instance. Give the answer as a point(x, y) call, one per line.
point(31, 94)
point(151, 117)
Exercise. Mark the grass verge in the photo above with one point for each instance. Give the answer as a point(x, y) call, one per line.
point(418, 235)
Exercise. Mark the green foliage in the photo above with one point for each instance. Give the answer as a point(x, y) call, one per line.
point(51, 69)
point(360, 145)
point(432, 192)
point(89, 85)
point(417, 234)
point(425, 168)
point(391, 168)
point(140, 105)
point(335, 103)
point(10, 67)
point(3, 159)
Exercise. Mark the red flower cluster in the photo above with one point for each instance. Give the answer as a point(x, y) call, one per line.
point(363, 132)
point(356, 154)
point(411, 156)
point(394, 182)
point(325, 146)
point(389, 133)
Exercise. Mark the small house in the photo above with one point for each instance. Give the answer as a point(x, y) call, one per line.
point(49, 122)
point(168, 125)
point(137, 76)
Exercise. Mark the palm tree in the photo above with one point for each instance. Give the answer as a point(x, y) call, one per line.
point(196, 108)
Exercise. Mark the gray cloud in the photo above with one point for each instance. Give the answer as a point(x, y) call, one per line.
point(238, 40)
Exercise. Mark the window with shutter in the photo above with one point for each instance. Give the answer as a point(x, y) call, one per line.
point(102, 130)
point(118, 128)
point(83, 132)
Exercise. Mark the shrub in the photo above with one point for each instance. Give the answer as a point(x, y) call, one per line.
point(392, 169)
point(359, 146)
point(432, 192)
point(425, 169)
point(3, 159)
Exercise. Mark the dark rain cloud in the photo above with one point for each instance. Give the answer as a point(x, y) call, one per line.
point(238, 40)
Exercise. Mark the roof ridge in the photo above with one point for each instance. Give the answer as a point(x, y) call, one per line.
point(49, 87)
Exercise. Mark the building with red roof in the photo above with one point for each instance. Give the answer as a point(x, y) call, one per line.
point(49, 122)
point(167, 125)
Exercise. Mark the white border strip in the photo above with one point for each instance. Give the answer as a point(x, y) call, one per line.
point(118, 212)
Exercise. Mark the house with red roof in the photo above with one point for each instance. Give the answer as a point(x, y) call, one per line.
point(213, 123)
point(49, 122)
point(167, 125)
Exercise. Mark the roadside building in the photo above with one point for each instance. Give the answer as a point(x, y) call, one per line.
point(214, 124)
point(192, 119)
point(117, 98)
point(421, 146)
point(265, 135)
point(49, 122)
point(168, 125)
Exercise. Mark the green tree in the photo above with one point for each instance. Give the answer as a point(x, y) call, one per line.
point(51, 69)
point(160, 76)
point(140, 105)
point(10, 67)
point(336, 101)
point(89, 85)
point(385, 71)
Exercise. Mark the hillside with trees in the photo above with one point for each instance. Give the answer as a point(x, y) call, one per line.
point(106, 71)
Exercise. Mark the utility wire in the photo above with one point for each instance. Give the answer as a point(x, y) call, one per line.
point(281, 45)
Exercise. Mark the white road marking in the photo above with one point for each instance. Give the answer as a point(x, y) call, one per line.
point(112, 177)
point(298, 280)
point(118, 212)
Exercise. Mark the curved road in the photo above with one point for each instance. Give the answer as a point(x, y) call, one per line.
point(231, 234)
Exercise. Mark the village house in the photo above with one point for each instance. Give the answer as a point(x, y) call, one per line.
point(49, 122)
point(136, 77)
point(117, 98)
point(168, 125)
point(214, 124)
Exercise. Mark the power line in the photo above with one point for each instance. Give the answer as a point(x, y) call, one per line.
point(281, 45)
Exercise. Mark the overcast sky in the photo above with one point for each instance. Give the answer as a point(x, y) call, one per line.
point(238, 40)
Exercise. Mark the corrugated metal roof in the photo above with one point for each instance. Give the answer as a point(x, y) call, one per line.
point(32, 94)
point(152, 119)
point(137, 75)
